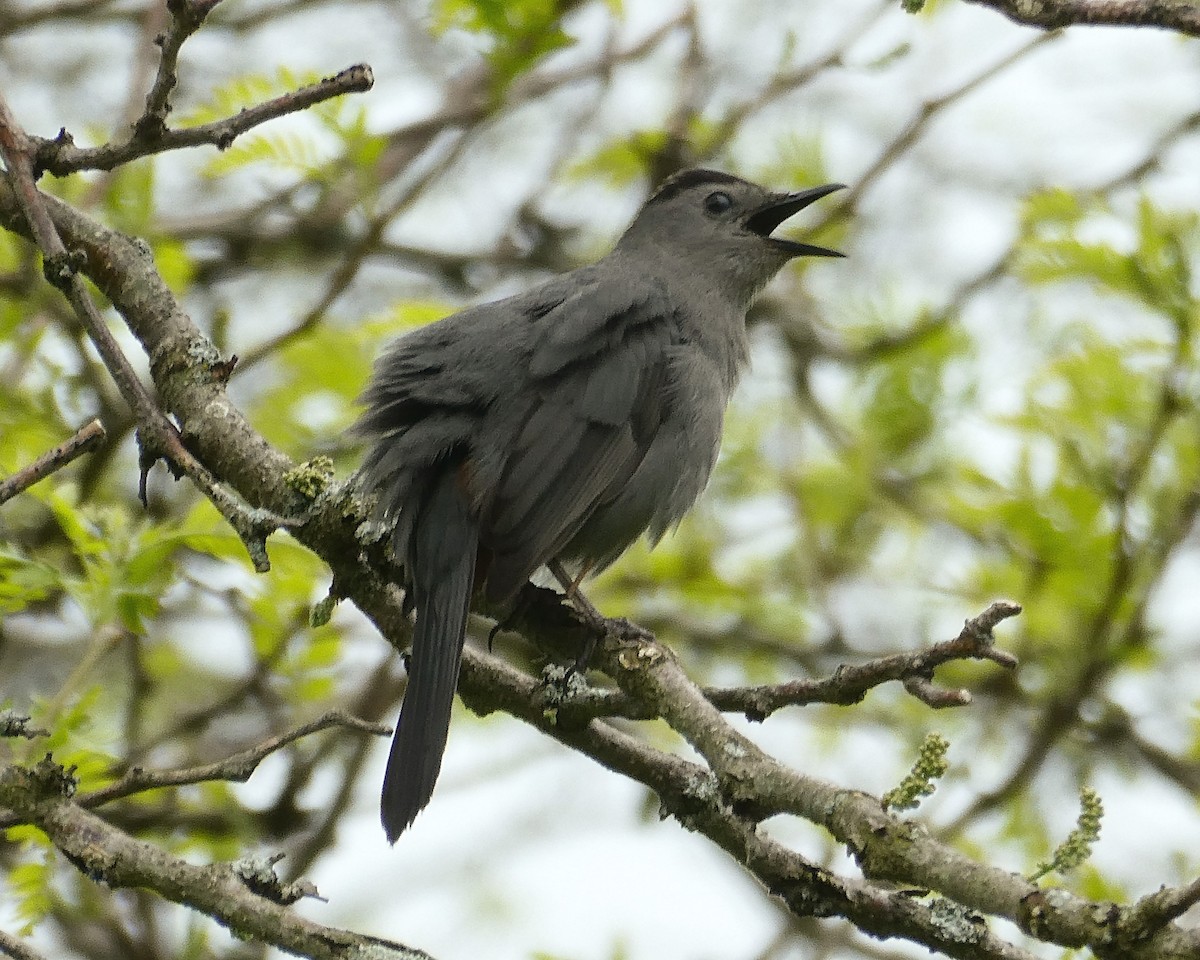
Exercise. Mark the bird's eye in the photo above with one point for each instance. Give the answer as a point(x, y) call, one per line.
point(718, 203)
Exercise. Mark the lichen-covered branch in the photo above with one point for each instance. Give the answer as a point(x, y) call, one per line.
point(230, 893)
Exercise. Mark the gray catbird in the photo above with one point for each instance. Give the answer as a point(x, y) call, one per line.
point(560, 424)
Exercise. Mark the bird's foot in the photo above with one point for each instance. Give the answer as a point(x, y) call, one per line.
point(519, 607)
point(599, 625)
point(581, 662)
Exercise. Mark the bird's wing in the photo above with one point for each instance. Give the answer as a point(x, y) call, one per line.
point(595, 399)
point(430, 392)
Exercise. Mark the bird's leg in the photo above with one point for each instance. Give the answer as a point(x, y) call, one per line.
point(595, 619)
point(572, 588)
point(576, 596)
point(599, 623)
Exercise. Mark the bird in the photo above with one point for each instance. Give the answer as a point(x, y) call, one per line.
point(559, 425)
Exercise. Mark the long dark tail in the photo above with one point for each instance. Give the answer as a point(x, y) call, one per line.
point(442, 568)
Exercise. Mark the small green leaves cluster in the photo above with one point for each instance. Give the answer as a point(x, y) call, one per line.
point(922, 779)
point(624, 159)
point(521, 31)
point(29, 881)
point(1077, 848)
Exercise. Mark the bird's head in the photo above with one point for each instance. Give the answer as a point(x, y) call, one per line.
point(721, 226)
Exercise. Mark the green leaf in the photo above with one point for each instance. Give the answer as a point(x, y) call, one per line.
point(30, 885)
point(24, 581)
point(623, 160)
point(287, 150)
point(241, 92)
point(1156, 273)
point(129, 197)
point(521, 31)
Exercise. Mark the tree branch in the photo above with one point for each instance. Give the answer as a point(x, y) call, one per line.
point(60, 156)
point(17, 949)
point(236, 768)
point(86, 439)
point(886, 847)
point(689, 792)
point(1153, 912)
point(186, 18)
point(925, 115)
point(233, 894)
point(15, 725)
point(849, 684)
point(1182, 16)
point(61, 269)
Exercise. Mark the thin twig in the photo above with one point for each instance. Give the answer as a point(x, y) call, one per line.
point(14, 18)
point(60, 156)
point(235, 769)
point(471, 107)
point(158, 435)
point(352, 264)
point(929, 111)
point(186, 18)
point(17, 725)
point(787, 81)
point(10, 946)
point(86, 438)
point(847, 685)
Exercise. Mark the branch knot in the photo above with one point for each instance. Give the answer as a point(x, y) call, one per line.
point(60, 269)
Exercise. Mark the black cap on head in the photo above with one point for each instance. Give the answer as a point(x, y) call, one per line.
point(686, 179)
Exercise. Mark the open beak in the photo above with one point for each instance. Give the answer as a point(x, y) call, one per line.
point(781, 206)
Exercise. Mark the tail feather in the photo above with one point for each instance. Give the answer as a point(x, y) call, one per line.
point(442, 568)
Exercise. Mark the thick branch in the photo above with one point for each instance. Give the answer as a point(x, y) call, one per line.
point(1155, 911)
point(689, 792)
point(224, 891)
point(887, 848)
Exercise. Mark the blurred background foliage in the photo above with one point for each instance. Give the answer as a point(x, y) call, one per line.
point(996, 395)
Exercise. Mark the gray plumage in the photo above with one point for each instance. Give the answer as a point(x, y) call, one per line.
point(561, 423)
